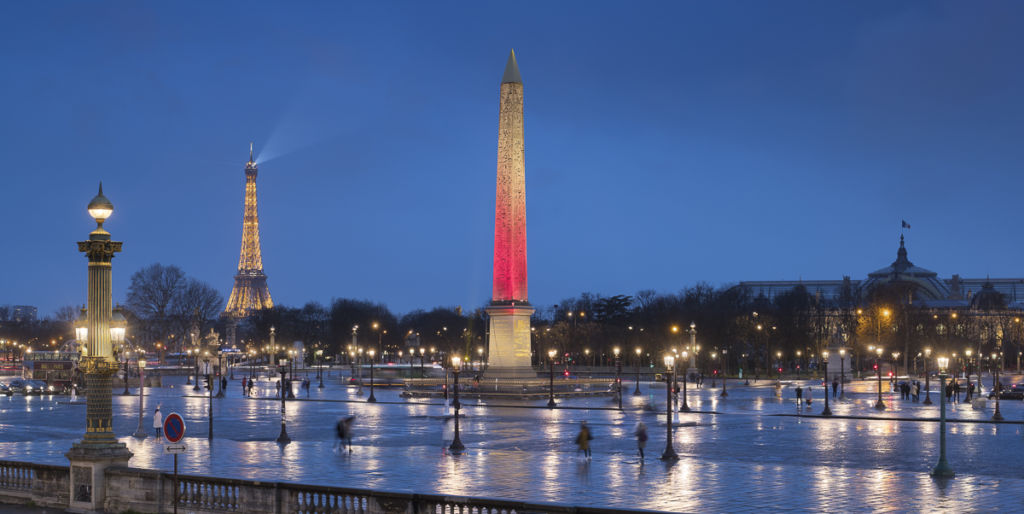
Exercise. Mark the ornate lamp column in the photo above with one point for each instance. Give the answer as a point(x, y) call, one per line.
point(98, 449)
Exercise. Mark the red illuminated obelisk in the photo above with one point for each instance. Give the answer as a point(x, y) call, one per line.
point(510, 310)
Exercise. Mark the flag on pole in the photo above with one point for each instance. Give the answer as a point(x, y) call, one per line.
point(905, 224)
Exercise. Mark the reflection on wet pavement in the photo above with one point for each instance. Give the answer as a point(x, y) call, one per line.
point(755, 454)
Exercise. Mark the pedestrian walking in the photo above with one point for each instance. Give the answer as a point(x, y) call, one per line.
point(223, 383)
point(305, 385)
point(835, 386)
point(917, 391)
point(158, 421)
point(583, 440)
point(251, 385)
point(245, 390)
point(970, 392)
point(447, 432)
point(949, 393)
point(277, 386)
point(799, 396)
point(641, 438)
point(809, 394)
point(344, 429)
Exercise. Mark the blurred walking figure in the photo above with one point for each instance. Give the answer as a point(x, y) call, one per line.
point(158, 421)
point(799, 396)
point(809, 395)
point(835, 386)
point(447, 432)
point(583, 439)
point(245, 388)
point(344, 428)
point(277, 385)
point(641, 438)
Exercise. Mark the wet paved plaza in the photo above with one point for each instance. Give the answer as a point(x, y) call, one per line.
point(752, 453)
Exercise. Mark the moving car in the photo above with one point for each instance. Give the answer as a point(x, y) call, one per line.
point(1013, 392)
point(39, 387)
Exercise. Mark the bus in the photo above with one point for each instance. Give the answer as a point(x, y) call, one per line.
point(57, 369)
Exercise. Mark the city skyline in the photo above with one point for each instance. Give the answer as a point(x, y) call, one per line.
point(766, 149)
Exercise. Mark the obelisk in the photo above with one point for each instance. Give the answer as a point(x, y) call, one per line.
point(510, 310)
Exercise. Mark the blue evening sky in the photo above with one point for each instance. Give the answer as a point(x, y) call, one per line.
point(667, 142)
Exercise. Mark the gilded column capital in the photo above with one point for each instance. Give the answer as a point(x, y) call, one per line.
point(98, 366)
point(98, 250)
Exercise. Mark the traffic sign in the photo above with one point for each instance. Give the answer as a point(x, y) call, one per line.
point(174, 427)
point(174, 448)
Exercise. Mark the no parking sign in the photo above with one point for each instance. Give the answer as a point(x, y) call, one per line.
point(174, 430)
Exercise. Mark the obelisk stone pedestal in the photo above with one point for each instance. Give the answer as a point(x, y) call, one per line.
point(509, 345)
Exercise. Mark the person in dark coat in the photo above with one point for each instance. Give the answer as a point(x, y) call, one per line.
point(641, 438)
point(583, 440)
point(835, 386)
point(344, 429)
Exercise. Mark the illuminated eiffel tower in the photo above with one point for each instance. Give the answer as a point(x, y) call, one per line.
point(250, 292)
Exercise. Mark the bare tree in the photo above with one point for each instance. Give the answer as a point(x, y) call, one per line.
point(67, 313)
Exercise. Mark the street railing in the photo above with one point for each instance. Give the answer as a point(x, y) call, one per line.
point(143, 490)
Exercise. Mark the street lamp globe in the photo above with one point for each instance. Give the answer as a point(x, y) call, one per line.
point(100, 207)
point(82, 329)
point(670, 362)
point(118, 324)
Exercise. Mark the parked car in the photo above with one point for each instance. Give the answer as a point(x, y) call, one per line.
point(17, 386)
point(1013, 392)
point(4, 389)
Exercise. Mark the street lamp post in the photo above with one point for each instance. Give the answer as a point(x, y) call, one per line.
point(209, 384)
point(880, 405)
point(927, 384)
point(195, 361)
point(996, 416)
point(778, 374)
point(842, 373)
point(685, 407)
point(283, 437)
point(320, 357)
point(118, 324)
point(724, 363)
point(456, 445)
point(551, 383)
point(618, 376)
point(422, 352)
point(371, 398)
point(670, 453)
point(220, 363)
point(636, 392)
point(942, 469)
point(968, 368)
point(139, 432)
point(188, 359)
point(824, 358)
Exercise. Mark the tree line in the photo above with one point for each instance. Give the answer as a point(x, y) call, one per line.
point(734, 328)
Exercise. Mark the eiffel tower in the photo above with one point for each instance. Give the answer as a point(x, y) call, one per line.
point(250, 292)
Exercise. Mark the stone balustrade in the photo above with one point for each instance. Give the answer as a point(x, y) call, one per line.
point(143, 490)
